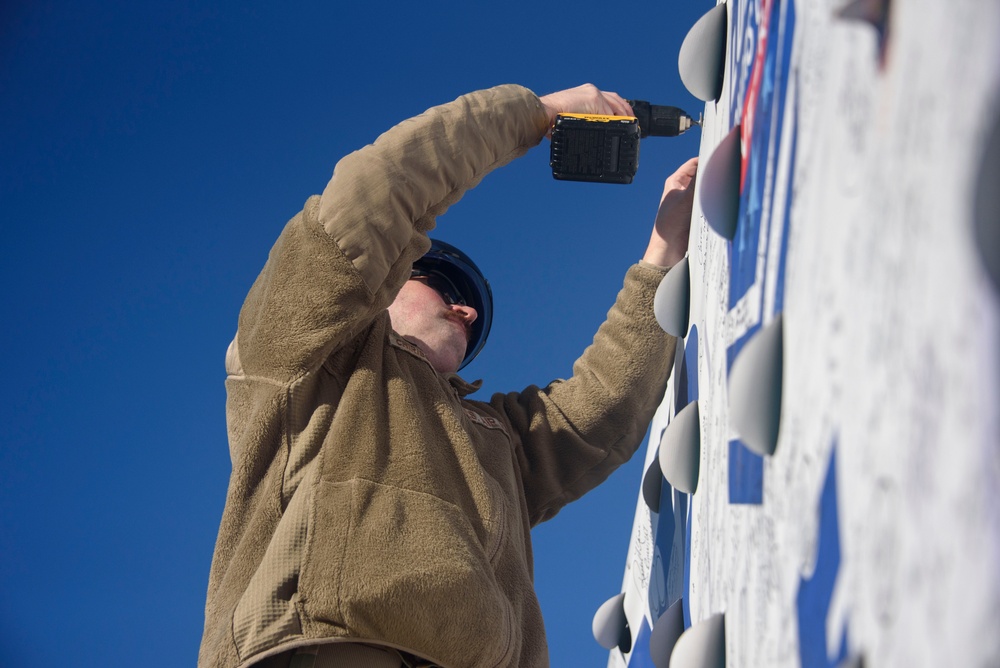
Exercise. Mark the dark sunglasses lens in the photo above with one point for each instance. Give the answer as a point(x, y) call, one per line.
point(443, 288)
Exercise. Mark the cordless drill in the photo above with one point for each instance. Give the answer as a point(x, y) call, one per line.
point(605, 149)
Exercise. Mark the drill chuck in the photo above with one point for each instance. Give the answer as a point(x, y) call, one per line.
point(659, 120)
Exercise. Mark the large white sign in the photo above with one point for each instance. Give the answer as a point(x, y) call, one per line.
point(862, 247)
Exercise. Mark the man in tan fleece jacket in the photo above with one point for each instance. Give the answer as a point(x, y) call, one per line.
point(375, 515)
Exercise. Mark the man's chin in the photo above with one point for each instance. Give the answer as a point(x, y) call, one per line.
point(448, 359)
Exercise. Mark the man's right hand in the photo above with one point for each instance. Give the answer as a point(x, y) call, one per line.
point(585, 99)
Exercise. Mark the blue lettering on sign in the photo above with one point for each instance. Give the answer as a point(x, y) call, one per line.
point(754, 251)
point(743, 38)
point(673, 528)
point(815, 594)
point(757, 211)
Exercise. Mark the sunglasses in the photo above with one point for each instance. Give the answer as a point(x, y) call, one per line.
point(449, 293)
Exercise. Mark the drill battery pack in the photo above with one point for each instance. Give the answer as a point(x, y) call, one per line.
point(591, 147)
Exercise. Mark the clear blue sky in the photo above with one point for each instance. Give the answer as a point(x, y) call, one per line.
point(150, 154)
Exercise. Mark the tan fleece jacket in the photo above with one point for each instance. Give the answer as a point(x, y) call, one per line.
point(369, 499)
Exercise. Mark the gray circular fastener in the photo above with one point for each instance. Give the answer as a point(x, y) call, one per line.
point(702, 646)
point(702, 58)
point(680, 449)
point(610, 625)
point(720, 185)
point(666, 631)
point(755, 389)
point(672, 301)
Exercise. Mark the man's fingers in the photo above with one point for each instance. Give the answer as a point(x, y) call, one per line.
point(687, 170)
point(586, 99)
point(618, 105)
point(683, 177)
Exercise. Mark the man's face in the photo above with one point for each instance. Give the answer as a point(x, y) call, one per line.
point(441, 330)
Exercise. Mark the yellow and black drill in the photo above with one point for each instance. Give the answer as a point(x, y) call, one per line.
point(605, 149)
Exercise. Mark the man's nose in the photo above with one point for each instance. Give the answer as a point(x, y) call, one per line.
point(468, 313)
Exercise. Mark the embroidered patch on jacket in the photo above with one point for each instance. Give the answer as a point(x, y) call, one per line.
point(403, 344)
point(486, 421)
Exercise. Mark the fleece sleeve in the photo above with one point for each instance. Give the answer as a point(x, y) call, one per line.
point(573, 433)
point(342, 260)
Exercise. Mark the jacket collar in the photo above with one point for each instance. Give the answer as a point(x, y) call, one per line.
point(462, 386)
point(459, 384)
